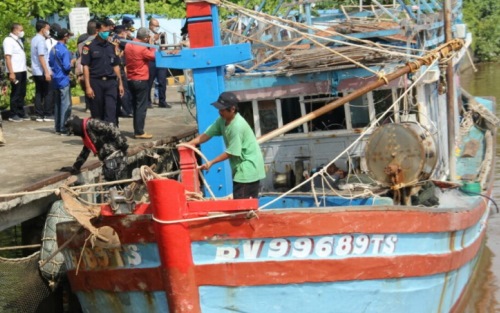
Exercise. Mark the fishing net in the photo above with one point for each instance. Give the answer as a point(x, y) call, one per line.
point(22, 288)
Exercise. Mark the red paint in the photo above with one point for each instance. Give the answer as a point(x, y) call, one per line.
point(130, 229)
point(189, 169)
point(168, 201)
point(222, 205)
point(316, 222)
point(200, 34)
point(132, 279)
point(276, 224)
point(197, 9)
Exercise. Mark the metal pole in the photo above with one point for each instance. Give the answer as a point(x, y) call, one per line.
point(143, 19)
point(450, 94)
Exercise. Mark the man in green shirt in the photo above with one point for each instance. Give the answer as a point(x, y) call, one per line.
point(242, 148)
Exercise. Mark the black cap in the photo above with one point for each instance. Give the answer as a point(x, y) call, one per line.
point(54, 28)
point(127, 20)
point(62, 33)
point(225, 101)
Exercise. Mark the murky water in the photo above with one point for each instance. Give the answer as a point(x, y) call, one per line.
point(486, 295)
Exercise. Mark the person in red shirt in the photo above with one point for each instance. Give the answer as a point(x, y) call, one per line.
point(137, 60)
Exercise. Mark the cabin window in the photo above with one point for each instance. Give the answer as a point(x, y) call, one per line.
point(268, 116)
point(246, 111)
point(382, 100)
point(359, 112)
point(291, 110)
point(332, 120)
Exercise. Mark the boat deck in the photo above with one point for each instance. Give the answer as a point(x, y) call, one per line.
point(34, 153)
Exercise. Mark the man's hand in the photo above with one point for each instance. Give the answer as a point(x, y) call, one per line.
point(121, 90)
point(90, 92)
point(48, 77)
point(71, 169)
point(206, 166)
point(12, 77)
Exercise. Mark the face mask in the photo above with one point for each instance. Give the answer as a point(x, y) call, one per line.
point(104, 35)
point(21, 34)
point(156, 29)
point(46, 33)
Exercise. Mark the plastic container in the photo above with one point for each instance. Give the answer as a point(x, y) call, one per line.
point(471, 187)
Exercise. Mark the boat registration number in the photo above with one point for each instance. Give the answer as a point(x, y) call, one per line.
point(307, 247)
point(98, 258)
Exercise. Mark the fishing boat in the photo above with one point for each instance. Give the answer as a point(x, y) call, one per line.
point(371, 91)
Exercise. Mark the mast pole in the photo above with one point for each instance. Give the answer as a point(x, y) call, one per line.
point(450, 95)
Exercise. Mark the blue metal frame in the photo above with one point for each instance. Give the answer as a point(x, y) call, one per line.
point(208, 79)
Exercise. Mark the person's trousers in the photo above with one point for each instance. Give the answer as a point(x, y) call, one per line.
point(124, 103)
point(104, 104)
point(62, 108)
point(43, 97)
point(246, 190)
point(18, 95)
point(160, 74)
point(140, 92)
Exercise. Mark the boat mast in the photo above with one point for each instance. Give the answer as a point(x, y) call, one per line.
point(450, 94)
point(440, 52)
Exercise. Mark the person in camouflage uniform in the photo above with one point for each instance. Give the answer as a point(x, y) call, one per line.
point(105, 141)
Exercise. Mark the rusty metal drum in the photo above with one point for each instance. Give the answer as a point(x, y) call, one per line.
point(400, 154)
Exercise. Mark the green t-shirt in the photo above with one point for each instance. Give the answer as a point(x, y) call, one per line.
point(247, 163)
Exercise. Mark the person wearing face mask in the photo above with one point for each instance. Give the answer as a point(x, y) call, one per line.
point(101, 70)
point(60, 63)
point(160, 74)
point(42, 74)
point(15, 61)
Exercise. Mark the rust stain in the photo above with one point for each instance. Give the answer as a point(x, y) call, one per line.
point(452, 240)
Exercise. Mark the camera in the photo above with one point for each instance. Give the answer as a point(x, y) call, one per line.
point(163, 38)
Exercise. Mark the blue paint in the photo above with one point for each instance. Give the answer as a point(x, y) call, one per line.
point(123, 302)
point(409, 295)
point(307, 201)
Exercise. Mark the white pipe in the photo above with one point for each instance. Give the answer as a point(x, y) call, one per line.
point(143, 19)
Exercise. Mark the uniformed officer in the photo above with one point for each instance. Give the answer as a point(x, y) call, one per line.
point(102, 74)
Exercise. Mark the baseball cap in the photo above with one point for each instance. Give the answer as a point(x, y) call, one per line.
point(54, 28)
point(127, 20)
point(226, 100)
point(63, 32)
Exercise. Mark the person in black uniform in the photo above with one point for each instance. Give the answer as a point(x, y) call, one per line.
point(124, 108)
point(105, 141)
point(102, 74)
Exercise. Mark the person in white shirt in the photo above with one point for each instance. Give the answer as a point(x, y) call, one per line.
point(15, 61)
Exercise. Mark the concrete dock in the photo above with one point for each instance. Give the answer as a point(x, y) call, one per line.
point(34, 152)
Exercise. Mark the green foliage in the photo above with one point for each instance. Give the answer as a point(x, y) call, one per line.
point(483, 19)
